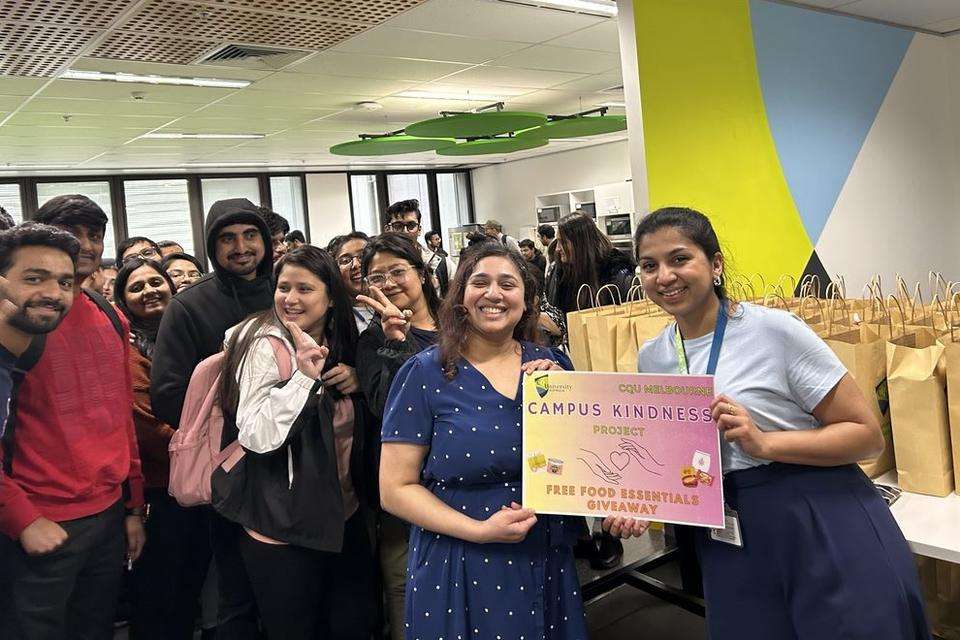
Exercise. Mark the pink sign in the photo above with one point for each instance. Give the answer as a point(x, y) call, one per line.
point(626, 444)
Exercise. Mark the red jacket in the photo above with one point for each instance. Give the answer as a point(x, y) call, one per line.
point(73, 451)
point(153, 435)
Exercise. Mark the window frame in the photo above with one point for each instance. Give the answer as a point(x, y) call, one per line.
point(383, 197)
point(29, 201)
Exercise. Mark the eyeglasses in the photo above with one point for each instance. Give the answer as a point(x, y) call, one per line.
point(147, 254)
point(396, 276)
point(410, 226)
point(347, 259)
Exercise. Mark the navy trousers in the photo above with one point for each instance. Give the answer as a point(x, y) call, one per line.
point(822, 557)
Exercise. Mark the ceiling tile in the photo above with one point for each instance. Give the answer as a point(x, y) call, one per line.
point(492, 20)
point(944, 26)
point(367, 66)
point(106, 107)
point(600, 37)
point(511, 77)
point(305, 103)
point(385, 41)
point(87, 121)
point(9, 103)
point(551, 58)
point(913, 13)
point(593, 83)
point(329, 84)
point(11, 86)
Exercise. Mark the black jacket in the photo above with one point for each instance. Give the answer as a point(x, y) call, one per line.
point(195, 321)
point(616, 268)
point(378, 362)
point(308, 512)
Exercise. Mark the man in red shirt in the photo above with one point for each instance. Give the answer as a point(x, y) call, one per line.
point(71, 488)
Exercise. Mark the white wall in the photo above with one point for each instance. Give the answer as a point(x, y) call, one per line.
point(898, 211)
point(506, 191)
point(328, 203)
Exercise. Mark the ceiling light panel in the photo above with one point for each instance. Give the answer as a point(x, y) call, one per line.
point(463, 96)
point(220, 83)
point(605, 8)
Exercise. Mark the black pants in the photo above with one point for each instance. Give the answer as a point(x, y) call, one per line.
point(168, 577)
point(236, 607)
point(71, 592)
point(307, 594)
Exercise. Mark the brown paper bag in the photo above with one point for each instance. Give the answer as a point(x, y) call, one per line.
point(949, 337)
point(916, 380)
point(866, 362)
point(601, 330)
point(576, 332)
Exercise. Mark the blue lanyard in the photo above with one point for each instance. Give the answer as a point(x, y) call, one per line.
point(682, 363)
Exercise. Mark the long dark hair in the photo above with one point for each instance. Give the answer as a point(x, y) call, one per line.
point(340, 329)
point(577, 232)
point(401, 246)
point(695, 226)
point(144, 330)
point(453, 315)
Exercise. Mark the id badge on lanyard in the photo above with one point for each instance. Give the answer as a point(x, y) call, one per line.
point(730, 534)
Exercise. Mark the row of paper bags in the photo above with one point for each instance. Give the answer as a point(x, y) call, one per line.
point(901, 352)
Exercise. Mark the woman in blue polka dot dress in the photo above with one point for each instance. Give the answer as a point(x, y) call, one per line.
point(480, 566)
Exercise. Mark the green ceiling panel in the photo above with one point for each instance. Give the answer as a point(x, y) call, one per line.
point(492, 145)
point(476, 125)
point(389, 145)
point(580, 126)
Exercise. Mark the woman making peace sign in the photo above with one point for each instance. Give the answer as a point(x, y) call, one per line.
point(299, 491)
point(405, 324)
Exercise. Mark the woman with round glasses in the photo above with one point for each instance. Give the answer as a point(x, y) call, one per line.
point(347, 251)
point(406, 323)
point(137, 246)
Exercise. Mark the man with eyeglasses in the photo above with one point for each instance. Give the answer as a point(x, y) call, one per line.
point(404, 217)
point(347, 250)
point(137, 247)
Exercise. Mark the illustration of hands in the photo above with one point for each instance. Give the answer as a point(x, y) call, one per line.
point(599, 468)
point(640, 453)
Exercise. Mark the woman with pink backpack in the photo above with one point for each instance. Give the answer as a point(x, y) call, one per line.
point(300, 482)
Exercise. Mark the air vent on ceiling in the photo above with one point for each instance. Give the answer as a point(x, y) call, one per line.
point(252, 57)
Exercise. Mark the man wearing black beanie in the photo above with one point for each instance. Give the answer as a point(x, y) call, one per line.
point(192, 329)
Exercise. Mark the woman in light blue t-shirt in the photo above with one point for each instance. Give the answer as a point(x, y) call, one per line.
point(810, 550)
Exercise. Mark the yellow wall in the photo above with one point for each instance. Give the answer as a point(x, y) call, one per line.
point(708, 144)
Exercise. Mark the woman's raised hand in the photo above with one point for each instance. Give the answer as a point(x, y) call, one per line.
point(310, 355)
point(395, 323)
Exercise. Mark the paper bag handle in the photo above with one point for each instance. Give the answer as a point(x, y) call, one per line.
point(619, 300)
point(580, 290)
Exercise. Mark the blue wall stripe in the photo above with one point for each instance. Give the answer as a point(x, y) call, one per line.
point(823, 79)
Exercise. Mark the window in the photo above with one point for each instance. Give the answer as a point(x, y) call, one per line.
point(10, 200)
point(99, 192)
point(214, 189)
point(411, 186)
point(363, 194)
point(454, 203)
point(159, 210)
point(286, 192)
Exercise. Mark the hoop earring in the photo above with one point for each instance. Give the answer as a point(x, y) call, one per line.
point(717, 281)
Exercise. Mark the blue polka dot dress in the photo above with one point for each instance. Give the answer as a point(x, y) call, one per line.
point(458, 590)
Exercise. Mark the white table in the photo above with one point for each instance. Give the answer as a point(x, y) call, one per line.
point(931, 525)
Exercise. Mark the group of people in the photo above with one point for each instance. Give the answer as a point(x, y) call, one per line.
point(370, 394)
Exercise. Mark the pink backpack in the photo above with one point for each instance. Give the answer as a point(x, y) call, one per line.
point(195, 447)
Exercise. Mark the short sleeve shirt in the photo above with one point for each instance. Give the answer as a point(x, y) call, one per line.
point(771, 362)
